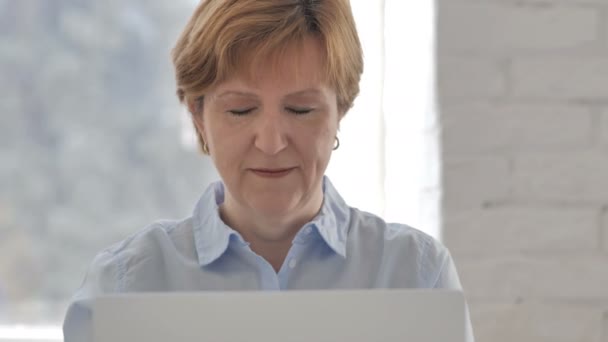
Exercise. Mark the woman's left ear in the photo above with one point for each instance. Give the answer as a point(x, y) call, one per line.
point(340, 117)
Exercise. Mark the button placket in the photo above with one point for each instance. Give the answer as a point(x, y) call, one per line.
point(290, 265)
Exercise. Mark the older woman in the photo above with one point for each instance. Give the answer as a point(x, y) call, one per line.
point(267, 83)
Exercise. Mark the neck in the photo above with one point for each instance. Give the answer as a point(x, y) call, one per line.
point(269, 236)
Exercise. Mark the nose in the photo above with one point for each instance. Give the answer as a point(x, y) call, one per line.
point(271, 133)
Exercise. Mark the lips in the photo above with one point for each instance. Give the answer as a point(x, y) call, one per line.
point(272, 173)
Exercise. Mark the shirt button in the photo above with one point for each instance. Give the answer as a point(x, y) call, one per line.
point(292, 263)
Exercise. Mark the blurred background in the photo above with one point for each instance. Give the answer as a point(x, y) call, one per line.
point(91, 146)
point(94, 144)
point(482, 123)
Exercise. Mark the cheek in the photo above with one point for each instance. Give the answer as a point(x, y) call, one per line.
point(328, 135)
point(321, 147)
point(218, 132)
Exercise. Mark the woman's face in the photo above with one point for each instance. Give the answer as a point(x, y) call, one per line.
point(271, 137)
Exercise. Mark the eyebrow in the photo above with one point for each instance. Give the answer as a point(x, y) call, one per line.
point(235, 92)
point(313, 91)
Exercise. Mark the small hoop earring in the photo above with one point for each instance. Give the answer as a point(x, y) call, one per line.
point(337, 144)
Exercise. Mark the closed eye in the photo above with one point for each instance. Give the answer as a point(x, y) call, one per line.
point(241, 111)
point(299, 111)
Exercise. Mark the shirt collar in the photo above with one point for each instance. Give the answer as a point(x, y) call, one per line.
point(333, 218)
point(212, 236)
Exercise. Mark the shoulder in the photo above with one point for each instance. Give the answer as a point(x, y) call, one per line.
point(400, 246)
point(151, 235)
point(107, 272)
point(144, 247)
point(394, 235)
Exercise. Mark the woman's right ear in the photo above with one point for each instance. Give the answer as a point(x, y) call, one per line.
point(199, 127)
point(197, 120)
point(195, 105)
point(191, 106)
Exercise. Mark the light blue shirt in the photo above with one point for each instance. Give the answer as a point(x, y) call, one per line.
point(341, 248)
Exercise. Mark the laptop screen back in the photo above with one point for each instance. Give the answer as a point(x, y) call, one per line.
point(293, 316)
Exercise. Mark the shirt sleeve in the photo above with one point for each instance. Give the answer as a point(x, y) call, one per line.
point(448, 279)
point(101, 278)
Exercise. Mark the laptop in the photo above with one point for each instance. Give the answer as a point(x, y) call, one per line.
point(282, 316)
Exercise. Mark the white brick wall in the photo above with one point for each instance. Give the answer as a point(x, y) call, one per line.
point(604, 232)
point(484, 78)
point(570, 176)
point(560, 78)
point(538, 322)
point(511, 128)
point(604, 332)
point(523, 90)
point(469, 183)
point(522, 229)
point(495, 28)
point(604, 129)
point(566, 276)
